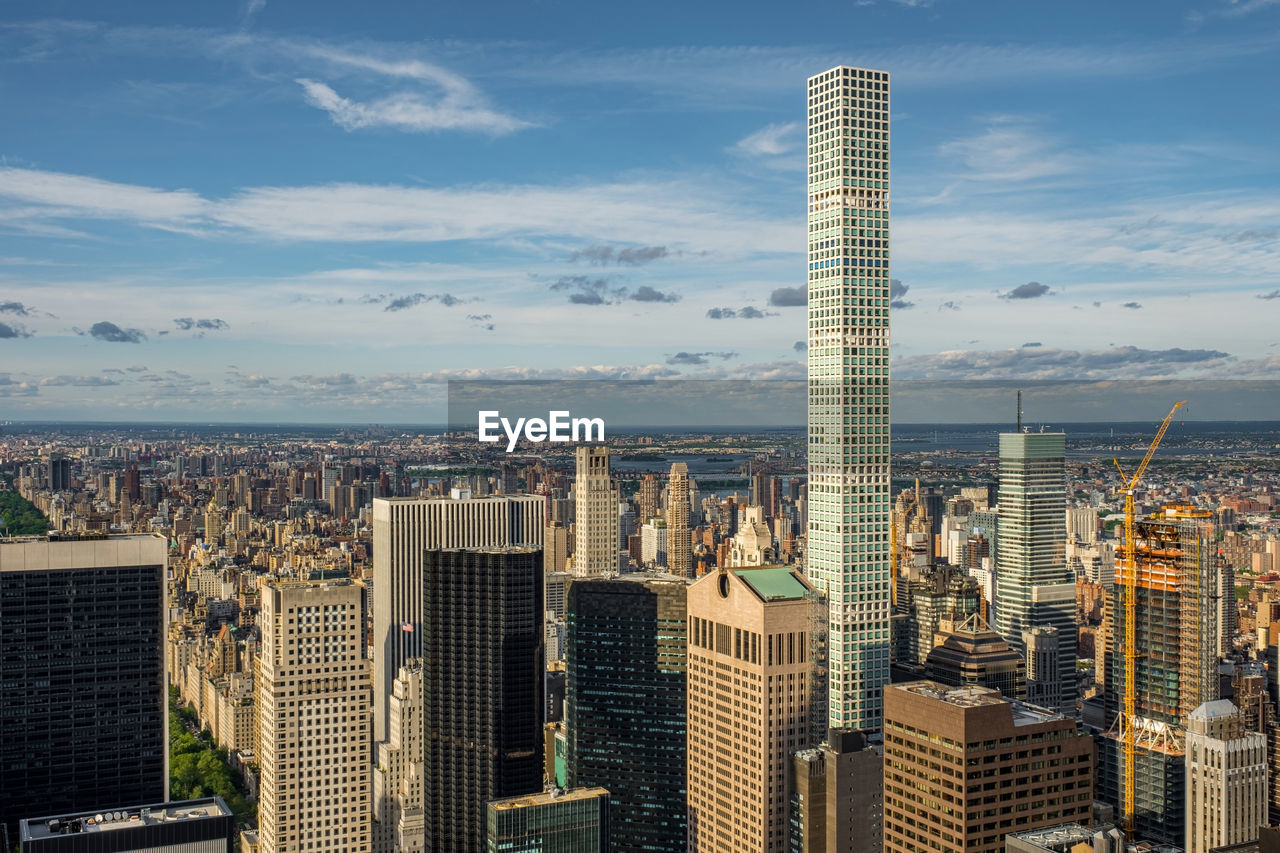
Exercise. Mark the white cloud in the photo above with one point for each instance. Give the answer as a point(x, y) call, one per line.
point(770, 141)
point(408, 111)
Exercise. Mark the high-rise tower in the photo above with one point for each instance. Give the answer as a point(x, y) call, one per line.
point(595, 525)
point(679, 545)
point(83, 723)
point(848, 530)
point(1034, 586)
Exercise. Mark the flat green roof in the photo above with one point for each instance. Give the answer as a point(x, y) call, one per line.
point(774, 584)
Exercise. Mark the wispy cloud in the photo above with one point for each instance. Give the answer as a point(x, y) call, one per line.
point(1126, 362)
point(410, 111)
point(697, 358)
point(624, 257)
point(898, 295)
point(748, 312)
point(773, 141)
point(202, 324)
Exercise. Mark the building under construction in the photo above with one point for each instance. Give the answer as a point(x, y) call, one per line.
point(1175, 667)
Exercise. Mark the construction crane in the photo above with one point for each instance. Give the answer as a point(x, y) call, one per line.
point(1130, 563)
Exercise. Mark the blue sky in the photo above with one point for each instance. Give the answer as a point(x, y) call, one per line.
point(318, 211)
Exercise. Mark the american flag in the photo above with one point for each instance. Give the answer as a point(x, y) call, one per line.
point(406, 626)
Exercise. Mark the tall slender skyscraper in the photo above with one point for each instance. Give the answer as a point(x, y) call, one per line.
point(595, 525)
point(679, 544)
point(848, 531)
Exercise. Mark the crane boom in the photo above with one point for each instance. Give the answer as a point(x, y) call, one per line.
point(1130, 563)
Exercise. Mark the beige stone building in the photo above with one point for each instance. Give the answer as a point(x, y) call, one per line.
point(399, 773)
point(964, 767)
point(1226, 778)
point(313, 699)
point(748, 705)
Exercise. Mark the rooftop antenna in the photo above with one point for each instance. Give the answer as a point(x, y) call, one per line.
point(1019, 410)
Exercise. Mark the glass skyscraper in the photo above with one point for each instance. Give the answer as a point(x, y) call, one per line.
point(848, 345)
point(625, 716)
point(1034, 586)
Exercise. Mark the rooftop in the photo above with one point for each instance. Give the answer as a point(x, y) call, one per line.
point(35, 829)
point(776, 584)
point(1059, 838)
point(971, 696)
point(543, 798)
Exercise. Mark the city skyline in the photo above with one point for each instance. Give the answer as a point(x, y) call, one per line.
point(289, 217)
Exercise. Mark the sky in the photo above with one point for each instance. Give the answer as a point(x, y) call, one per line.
point(322, 211)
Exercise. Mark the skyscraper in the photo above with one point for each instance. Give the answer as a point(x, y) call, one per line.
point(313, 717)
point(625, 703)
point(399, 772)
point(837, 804)
point(595, 525)
point(679, 543)
point(938, 737)
point(847, 550)
point(1226, 779)
point(1174, 670)
point(404, 528)
point(750, 671)
point(482, 675)
point(83, 724)
point(1033, 584)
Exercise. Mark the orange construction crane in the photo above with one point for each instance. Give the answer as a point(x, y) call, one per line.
point(1130, 563)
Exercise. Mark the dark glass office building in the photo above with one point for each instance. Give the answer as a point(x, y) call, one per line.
point(191, 826)
point(625, 719)
point(482, 646)
point(83, 721)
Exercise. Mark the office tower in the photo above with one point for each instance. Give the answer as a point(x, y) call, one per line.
point(1226, 779)
point(483, 677)
point(556, 586)
point(847, 548)
point(625, 666)
point(942, 596)
point(1175, 669)
point(83, 722)
point(750, 670)
point(198, 826)
point(1044, 684)
point(555, 548)
point(59, 474)
point(958, 772)
point(403, 529)
point(837, 805)
point(679, 543)
point(399, 771)
point(1082, 524)
point(973, 655)
point(648, 498)
point(654, 544)
point(1227, 616)
point(595, 526)
point(554, 821)
point(313, 718)
point(1033, 584)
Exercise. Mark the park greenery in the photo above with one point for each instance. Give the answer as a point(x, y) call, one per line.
point(199, 768)
point(19, 516)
